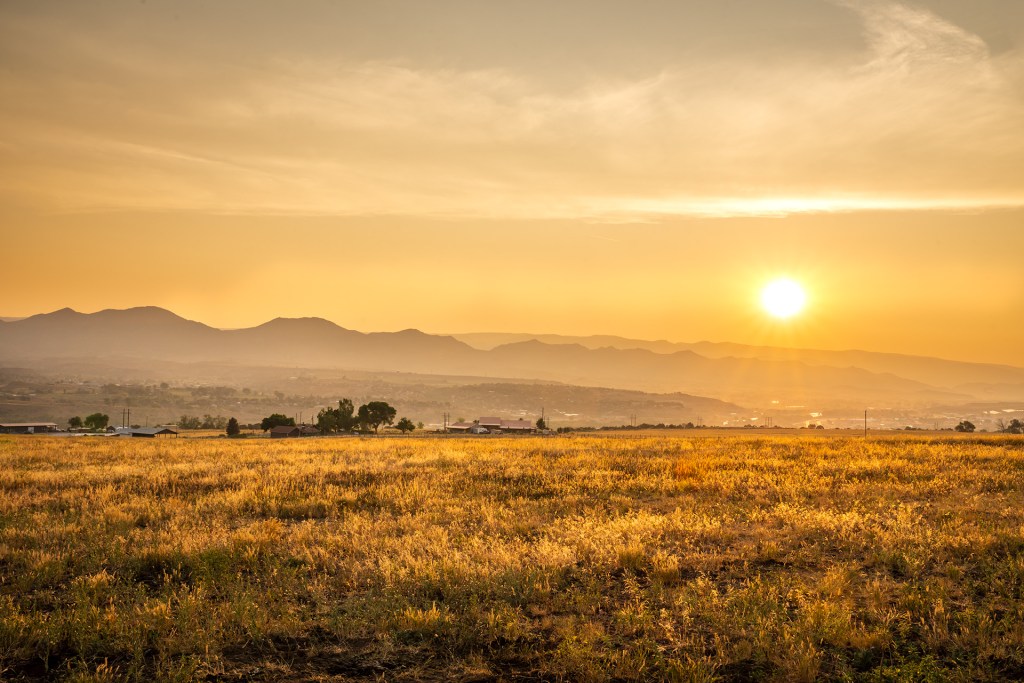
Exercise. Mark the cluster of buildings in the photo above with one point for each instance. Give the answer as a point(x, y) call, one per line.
point(484, 425)
point(492, 425)
point(51, 428)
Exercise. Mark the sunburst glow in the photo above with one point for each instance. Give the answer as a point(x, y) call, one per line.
point(783, 298)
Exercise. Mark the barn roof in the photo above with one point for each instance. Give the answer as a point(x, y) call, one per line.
point(145, 431)
point(27, 424)
point(283, 429)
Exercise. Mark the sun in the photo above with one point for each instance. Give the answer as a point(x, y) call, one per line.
point(783, 298)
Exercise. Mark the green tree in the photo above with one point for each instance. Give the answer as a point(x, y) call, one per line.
point(405, 425)
point(327, 420)
point(75, 422)
point(276, 420)
point(376, 413)
point(347, 419)
point(97, 421)
point(340, 419)
point(213, 422)
point(541, 424)
point(1015, 426)
point(965, 426)
point(233, 429)
point(189, 422)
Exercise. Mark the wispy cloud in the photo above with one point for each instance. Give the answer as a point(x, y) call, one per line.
point(924, 118)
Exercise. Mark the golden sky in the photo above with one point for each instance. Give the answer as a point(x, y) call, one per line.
point(577, 167)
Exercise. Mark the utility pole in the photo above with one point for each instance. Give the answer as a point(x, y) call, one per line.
point(865, 424)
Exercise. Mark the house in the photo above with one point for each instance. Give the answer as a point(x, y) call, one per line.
point(517, 426)
point(27, 427)
point(285, 431)
point(492, 425)
point(146, 432)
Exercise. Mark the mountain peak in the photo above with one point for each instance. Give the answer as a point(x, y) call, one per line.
point(308, 323)
point(63, 312)
point(148, 312)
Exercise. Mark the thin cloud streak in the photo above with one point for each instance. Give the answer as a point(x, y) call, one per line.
point(926, 118)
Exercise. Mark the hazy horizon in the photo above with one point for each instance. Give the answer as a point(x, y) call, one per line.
point(513, 335)
point(580, 168)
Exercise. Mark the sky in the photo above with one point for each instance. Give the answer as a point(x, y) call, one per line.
point(579, 167)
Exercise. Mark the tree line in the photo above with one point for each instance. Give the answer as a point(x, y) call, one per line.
point(346, 418)
point(372, 415)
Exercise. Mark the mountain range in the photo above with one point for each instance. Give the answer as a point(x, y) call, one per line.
point(747, 375)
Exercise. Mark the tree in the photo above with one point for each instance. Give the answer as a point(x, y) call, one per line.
point(327, 421)
point(189, 422)
point(376, 413)
point(965, 426)
point(97, 421)
point(233, 429)
point(340, 419)
point(541, 424)
point(213, 422)
point(347, 420)
point(75, 422)
point(276, 420)
point(405, 425)
point(1015, 427)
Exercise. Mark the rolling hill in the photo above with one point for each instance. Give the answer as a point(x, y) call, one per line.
point(740, 374)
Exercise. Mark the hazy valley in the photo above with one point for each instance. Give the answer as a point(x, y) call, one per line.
point(68, 362)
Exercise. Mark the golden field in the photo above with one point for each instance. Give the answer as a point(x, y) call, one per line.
point(586, 558)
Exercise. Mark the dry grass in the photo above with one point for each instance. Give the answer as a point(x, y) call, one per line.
point(588, 558)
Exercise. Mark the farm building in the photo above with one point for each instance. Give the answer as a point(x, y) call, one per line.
point(285, 431)
point(517, 426)
point(27, 427)
point(492, 425)
point(146, 432)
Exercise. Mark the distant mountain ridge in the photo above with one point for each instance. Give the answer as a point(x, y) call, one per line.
point(748, 375)
point(951, 374)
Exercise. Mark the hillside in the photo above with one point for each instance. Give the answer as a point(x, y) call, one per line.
point(960, 376)
point(751, 376)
